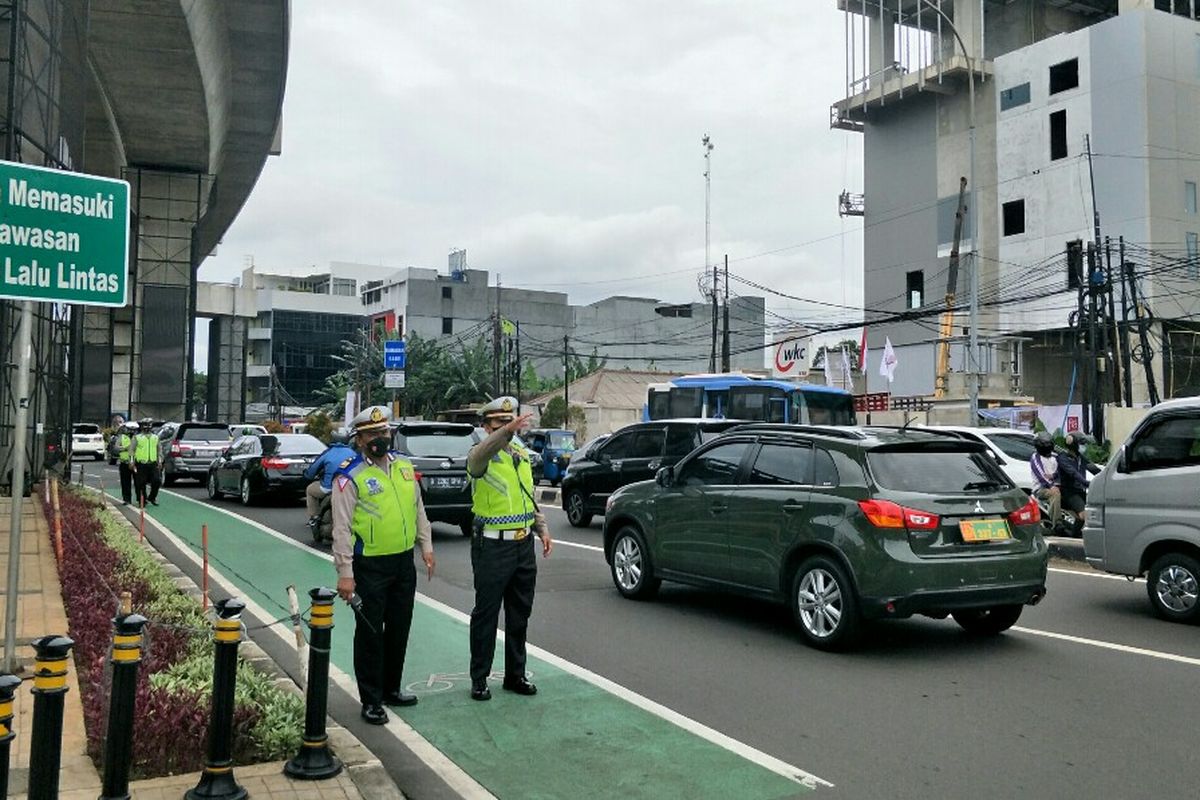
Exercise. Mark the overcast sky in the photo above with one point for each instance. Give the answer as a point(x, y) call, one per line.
point(559, 143)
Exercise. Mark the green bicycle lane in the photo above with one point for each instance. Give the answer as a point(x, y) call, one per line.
point(574, 739)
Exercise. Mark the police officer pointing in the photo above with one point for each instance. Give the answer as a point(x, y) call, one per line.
point(378, 517)
point(506, 520)
point(124, 467)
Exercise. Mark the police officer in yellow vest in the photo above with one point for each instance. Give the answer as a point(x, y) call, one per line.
point(146, 458)
point(378, 517)
point(506, 521)
point(124, 439)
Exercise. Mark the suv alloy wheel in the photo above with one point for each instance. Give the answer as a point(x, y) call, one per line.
point(824, 604)
point(576, 515)
point(631, 568)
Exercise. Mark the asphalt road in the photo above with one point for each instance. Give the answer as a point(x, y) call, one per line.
point(1088, 696)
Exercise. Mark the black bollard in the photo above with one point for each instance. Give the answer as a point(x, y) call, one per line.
point(49, 695)
point(217, 779)
point(315, 761)
point(118, 744)
point(8, 689)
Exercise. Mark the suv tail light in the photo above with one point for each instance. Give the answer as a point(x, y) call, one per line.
point(886, 514)
point(416, 476)
point(175, 448)
point(274, 463)
point(1028, 514)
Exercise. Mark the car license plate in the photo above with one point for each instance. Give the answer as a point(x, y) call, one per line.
point(984, 530)
point(446, 483)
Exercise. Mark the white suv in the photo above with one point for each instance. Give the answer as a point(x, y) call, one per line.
point(1011, 448)
point(87, 440)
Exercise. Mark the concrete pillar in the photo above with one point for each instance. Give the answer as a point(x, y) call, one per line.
point(226, 400)
point(968, 21)
point(882, 41)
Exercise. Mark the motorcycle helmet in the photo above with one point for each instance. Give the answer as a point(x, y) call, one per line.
point(1044, 444)
point(1075, 440)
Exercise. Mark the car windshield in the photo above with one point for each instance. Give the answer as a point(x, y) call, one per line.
point(86, 428)
point(563, 440)
point(293, 444)
point(436, 444)
point(1016, 445)
point(193, 434)
point(936, 470)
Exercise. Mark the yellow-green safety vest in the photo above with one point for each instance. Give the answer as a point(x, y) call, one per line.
point(502, 499)
point(385, 516)
point(123, 445)
point(145, 448)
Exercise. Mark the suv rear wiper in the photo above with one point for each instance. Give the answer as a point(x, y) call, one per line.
point(984, 485)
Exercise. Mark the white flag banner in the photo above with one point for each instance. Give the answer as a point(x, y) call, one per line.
point(847, 373)
point(887, 364)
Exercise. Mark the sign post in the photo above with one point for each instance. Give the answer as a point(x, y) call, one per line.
point(395, 359)
point(64, 238)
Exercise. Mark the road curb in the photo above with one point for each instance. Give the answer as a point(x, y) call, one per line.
point(364, 769)
point(1066, 549)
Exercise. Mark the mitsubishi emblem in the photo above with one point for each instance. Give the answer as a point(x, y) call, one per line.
point(979, 507)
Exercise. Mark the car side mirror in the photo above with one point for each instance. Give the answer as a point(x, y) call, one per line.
point(1122, 464)
point(665, 477)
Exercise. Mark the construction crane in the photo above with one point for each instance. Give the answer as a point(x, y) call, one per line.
point(946, 329)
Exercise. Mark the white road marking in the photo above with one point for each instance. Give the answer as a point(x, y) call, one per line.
point(565, 543)
point(747, 752)
point(1120, 648)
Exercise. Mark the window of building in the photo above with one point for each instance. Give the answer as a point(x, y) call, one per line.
point(674, 311)
point(447, 293)
point(1074, 264)
point(345, 287)
point(1016, 96)
point(1014, 217)
point(1064, 76)
point(1189, 196)
point(1058, 135)
point(915, 288)
point(447, 325)
point(1193, 251)
point(1181, 7)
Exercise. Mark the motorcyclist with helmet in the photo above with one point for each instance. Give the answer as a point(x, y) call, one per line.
point(1047, 481)
point(1073, 473)
point(320, 472)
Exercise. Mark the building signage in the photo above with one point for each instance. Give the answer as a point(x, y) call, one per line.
point(64, 236)
point(393, 379)
point(395, 355)
point(791, 354)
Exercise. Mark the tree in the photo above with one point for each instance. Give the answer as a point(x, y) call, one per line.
point(555, 415)
point(319, 425)
point(274, 426)
point(851, 350)
point(200, 394)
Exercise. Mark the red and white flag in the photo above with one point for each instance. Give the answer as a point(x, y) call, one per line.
point(862, 351)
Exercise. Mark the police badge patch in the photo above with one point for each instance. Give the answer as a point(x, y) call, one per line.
point(373, 486)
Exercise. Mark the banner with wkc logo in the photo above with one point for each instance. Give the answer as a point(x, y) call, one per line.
point(64, 237)
point(792, 353)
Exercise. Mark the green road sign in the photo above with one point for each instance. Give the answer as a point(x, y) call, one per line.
point(64, 237)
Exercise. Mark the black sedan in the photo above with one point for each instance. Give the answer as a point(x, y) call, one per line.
point(255, 466)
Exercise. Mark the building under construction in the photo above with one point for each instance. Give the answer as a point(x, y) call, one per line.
point(1086, 131)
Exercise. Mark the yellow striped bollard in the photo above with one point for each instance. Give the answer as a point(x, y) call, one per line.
point(49, 696)
point(315, 761)
point(118, 744)
point(8, 689)
point(217, 781)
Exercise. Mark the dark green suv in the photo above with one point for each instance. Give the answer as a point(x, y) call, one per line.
point(844, 524)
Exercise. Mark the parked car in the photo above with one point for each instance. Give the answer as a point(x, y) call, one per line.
point(187, 448)
point(844, 524)
point(87, 440)
point(248, 428)
point(556, 447)
point(259, 465)
point(1143, 511)
point(438, 451)
point(632, 454)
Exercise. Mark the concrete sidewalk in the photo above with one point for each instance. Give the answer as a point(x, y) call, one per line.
point(41, 612)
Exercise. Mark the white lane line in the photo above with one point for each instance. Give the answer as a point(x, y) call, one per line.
point(1120, 648)
point(1094, 574)
point(450, 772)
point(591, 547)
point(692, 726)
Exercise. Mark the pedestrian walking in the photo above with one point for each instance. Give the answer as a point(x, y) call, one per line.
point(378, 519)
point(146, 457)
point(124, 469)
point(506, 521)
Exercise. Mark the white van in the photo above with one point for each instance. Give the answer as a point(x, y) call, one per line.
point(1143, 510)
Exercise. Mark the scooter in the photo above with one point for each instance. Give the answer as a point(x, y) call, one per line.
point(322, 527)
point(1067, 523)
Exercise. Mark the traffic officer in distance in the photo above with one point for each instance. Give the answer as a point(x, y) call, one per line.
point(147, 461)
point(124, 467)
point(501, 550)
point(378, 517)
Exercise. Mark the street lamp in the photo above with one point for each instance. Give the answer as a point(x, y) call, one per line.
point(973, 345)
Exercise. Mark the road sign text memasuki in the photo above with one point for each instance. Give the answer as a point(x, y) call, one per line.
point(395, 355)
point(64, 237)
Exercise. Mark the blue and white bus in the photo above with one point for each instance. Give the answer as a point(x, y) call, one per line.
point(745, 397)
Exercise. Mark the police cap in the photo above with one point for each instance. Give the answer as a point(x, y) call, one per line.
point(502, 409)
point(131, 426)
point(371, 419)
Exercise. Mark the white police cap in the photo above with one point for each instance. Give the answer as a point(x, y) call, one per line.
point(371, 419)
point(502, 408)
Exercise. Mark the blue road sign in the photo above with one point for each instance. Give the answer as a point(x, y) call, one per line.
point(394, 354)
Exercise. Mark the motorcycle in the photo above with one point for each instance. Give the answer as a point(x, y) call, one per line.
point(1067, 523)
point(322, 527)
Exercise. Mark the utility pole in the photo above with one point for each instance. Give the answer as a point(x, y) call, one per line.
point(1095, 351)
point(1118, 346)
point(1076, 263)
point(1126, 361)
point(496, 341)
point(708, 148)
point(725, 332)
point(1144, 355)
point(566, 379)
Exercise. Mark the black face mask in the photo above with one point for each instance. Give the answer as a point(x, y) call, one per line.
point(378, 447)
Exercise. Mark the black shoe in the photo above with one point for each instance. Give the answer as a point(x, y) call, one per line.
point(520, 686)
point(153, 502)
point(480, 691)
point(375, 715)
point(399, 699)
